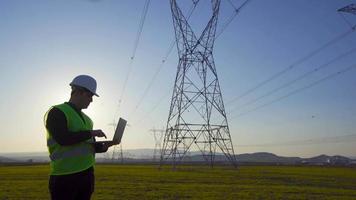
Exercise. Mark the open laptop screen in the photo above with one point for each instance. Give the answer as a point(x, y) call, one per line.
point(119, 130)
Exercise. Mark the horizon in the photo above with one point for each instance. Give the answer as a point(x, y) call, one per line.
point(5, 154)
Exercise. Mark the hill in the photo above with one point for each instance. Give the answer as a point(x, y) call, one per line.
point(6, 160)
point(324, 159)
point(146, 155)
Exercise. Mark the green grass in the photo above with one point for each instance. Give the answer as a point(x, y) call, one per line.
point(192, 182)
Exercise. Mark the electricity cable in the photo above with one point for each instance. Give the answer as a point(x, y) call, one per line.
point(153, 108)
point(159, 68)
point(292, 66)
point(232, 17)
point(330, 76)
point(137, 39)
point(345, 20)
point(304, 75)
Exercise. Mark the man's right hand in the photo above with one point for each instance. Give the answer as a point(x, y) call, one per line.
point(97, 133)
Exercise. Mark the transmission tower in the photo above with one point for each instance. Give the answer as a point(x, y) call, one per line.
point(117, 152)
point(197, 118)
point(157, 134)
point(350, 9)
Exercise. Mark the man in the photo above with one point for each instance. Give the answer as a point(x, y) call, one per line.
point(71, 143)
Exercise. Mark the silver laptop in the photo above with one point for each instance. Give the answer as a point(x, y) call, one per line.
point(119, 131)
point(120, 128)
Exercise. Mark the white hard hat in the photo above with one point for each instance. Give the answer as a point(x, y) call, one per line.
point(86, 82)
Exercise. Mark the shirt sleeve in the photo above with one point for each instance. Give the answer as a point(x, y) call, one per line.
point(56, 123)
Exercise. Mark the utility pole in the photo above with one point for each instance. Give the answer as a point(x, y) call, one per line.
point(197, 118)
point(157, 134)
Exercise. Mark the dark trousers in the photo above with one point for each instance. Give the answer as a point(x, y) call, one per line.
point(78, 186)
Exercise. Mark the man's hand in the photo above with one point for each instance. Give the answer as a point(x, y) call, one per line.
point(97, 133)
point(103, 146)
point(108, 144)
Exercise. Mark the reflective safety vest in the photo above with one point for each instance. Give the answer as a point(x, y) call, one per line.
point(70, 159)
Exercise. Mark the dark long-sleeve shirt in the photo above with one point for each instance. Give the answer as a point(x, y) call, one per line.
point(57, 124)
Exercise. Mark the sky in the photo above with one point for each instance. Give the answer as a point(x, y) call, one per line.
point(45, 44)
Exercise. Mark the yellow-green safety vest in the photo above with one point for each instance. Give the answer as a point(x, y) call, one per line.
point(70, 159)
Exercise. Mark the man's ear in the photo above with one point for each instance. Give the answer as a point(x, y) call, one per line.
point(75, 92)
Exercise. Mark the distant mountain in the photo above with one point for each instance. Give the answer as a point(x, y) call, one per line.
point(6, 160)
point(324, 159)
point(146, 155)
point(259, 157)
point(270, 158)
point(266, 157)
point(139, 153)
point(27, 156)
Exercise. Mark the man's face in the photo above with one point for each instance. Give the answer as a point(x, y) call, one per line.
point(86, 98)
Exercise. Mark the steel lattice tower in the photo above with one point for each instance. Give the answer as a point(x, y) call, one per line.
point(157, 134)
point(117, 153)
point(197, 118)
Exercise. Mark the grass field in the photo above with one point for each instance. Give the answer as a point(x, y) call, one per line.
point(192, 182)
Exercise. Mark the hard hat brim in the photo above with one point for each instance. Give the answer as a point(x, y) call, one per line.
point(85, 89)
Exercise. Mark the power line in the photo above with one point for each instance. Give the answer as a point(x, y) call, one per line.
point(232, 17)
point(137, 39)
point(232, 4)
point(159, 68)
point(153, 108)
point(142, 22)
point(333, 75)
point(292, 66)
point(346, 21)
point(306, 74)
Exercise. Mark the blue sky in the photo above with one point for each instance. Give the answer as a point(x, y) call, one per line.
point(45, 44)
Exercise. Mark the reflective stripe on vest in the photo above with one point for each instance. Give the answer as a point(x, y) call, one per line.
point(52, 142)
point(79, 151)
